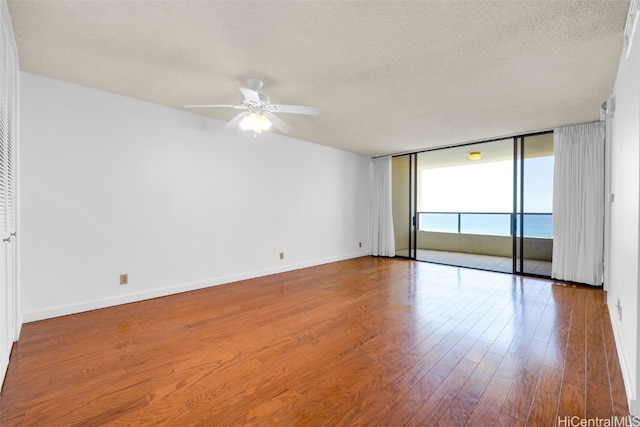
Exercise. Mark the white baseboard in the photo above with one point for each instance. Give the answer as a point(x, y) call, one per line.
point(629, 382)
point(4, 358)
point(4, 365)
point(184, 287)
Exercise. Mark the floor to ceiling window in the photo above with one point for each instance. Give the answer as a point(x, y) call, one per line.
point(484, 205)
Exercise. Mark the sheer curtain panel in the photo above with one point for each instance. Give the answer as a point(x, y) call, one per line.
point(382, 238)
point(578, 203)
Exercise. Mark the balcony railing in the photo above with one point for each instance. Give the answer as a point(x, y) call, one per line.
point(487, 223)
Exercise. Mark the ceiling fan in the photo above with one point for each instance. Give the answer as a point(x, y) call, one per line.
point(259, 114)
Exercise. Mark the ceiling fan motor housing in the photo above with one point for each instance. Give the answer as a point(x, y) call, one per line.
point(255, 84)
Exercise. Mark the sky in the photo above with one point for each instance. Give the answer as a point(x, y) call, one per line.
point(486, 187)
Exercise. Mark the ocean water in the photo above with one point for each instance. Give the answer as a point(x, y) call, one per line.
point(495, 224)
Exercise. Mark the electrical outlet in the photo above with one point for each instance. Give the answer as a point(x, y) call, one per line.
point(359, 244)
point(281, 255)
point(124, 279)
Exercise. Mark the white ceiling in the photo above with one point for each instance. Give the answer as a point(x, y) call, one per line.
point(387, 76)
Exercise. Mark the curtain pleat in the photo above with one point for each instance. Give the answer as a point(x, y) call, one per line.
point(578, 203)
point(382, 237)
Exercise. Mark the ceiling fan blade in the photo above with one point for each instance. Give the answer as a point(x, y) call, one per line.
point(278, 122)
point(237, 107)
point(235, 121)
point(250, 95)
point(295, 109)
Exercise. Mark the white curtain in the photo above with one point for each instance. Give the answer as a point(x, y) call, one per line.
point(578, 203)
point(382, 238)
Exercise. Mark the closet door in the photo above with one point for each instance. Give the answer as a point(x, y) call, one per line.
point(8, 251)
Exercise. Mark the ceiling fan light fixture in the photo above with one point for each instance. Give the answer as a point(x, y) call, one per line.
point(264, 122)
point(257, 122)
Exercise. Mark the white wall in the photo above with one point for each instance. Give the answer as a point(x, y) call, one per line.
point(624, 243)
point(114, 185)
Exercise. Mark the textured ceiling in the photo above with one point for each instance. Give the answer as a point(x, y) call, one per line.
point(387, 76)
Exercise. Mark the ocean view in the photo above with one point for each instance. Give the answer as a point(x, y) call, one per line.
point(494, 224)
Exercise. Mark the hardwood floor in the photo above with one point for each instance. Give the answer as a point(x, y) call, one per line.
point(368, 341)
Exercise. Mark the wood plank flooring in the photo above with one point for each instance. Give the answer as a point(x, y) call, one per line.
point(368, 341)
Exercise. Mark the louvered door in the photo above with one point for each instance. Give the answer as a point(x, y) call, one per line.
point(8, 235)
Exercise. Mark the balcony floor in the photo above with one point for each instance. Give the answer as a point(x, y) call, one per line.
point(483, 262)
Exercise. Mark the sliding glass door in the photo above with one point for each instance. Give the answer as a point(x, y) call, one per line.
point(465, 202)
point(403, 197)
point(485, 205)
point(533, 245)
